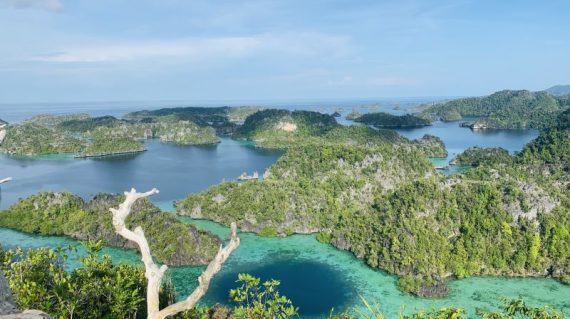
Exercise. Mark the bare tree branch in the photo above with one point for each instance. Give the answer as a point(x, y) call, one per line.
point(153, 273)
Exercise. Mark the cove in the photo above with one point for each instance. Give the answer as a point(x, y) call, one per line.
point(175, 170)
point(457, 139)
point(316, 276)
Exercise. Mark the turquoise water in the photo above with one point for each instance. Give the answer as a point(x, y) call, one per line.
point(318, 277)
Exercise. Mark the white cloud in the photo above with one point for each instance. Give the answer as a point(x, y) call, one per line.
point(304, 45)
point(51, 5)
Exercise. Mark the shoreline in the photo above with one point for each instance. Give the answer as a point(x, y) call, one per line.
point(79, 156)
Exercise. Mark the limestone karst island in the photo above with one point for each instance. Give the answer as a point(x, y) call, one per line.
point(284, 159)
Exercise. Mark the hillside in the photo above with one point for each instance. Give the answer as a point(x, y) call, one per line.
point(279, 128)
point(30, 139)
point(83, 135)
point(559, 90)
point(504, 109)
point(225, 120)
point(386, 204)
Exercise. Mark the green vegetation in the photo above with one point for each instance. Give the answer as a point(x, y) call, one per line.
point(171, 241)
point(99, 136)
point(97, 289)
point(512, 309)
point(224, 120)
point(120, 145)
point(503, 109)
point(476, 156)
point(281, 128)
point(33, 139)
point(257, 301)
point(52, 121)
point(382, 200)
point(353, 115)
point(386, 120)
point(433, 146)
point(559, 90)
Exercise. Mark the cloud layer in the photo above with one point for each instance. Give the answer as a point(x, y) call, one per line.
point(51, 5)
point(307, 45)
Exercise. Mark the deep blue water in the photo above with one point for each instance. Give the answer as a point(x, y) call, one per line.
point(457, 138)
point(175, 170)
point(314, 287)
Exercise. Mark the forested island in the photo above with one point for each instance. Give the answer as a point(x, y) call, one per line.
point(172, 242)
point(505, 109)
point(386, 120)
point(86, 136)
point(380, 198)
point(559, 90)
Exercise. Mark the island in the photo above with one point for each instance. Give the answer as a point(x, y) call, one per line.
point(386, 120)
point(476, 156)
point(381, 199)
point(84, 136)
point(31, 139)
point(507, 109)
point(54, 213)
point(353, 115)
point(559, 90)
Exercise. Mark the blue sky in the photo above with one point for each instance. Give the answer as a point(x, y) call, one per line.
point(101, 50)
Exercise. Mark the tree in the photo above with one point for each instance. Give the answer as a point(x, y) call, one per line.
point(153, 273)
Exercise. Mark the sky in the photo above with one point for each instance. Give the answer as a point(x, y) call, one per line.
point(121, 50)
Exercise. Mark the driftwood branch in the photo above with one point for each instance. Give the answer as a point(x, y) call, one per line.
point(5, 180)
point(153, 273)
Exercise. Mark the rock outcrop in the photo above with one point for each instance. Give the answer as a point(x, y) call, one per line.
point(9, 310)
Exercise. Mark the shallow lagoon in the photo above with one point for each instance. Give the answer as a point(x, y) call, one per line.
point(318, 277)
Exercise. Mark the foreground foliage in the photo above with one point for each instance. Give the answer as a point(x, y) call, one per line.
point(99, 289)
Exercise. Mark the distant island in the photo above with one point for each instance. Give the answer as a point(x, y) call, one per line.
point(559, 90)
point(502, 110)
point(386, 120)
point(86, 136)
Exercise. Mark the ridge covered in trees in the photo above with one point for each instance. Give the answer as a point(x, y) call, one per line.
point(386, 120)
point(385, 203)
point(506, 109)
point(83, 135)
